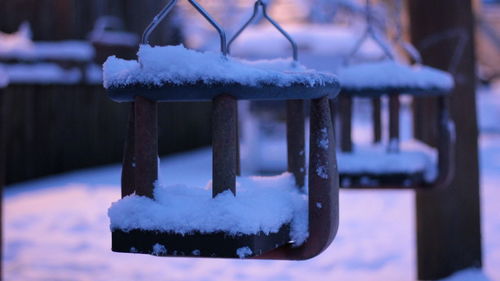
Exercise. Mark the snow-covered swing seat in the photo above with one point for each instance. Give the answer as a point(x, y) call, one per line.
point(276, 218)
point(393, 79)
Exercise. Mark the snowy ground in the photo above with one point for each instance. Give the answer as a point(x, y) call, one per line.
point(57, 228)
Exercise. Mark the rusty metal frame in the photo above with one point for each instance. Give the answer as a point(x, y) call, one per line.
point(445, 148)
point(140, 171)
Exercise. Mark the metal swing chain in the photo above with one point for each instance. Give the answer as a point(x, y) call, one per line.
point(166, 10)
point(370, 32)
point(263, 5)
point(410, 50)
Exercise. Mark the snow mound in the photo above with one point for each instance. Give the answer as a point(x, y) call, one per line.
point(471, 274)
point(393, 74)
point(178, 65)
point(413, 157)
point(41, 73)
point(19, 41)
point(262, 204)
point(19, 46)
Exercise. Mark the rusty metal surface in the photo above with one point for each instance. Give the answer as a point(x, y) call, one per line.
point(323, 188)
point(377, 119)
point(345, 115)
point(207, 92)
point(145, 146)
point(128, 166)
point(323, 179)
point(295, 135)
point(393, 123)
point(209, 245)
point(224, 147)
point(416, 180)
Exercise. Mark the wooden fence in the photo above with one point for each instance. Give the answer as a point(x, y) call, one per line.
point(55, 128)
point(52, 129)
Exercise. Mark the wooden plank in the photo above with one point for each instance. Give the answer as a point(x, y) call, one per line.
point(448, 219)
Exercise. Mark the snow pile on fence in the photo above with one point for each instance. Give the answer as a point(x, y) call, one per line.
point(41, 73)
point(388, 73)
point(19, 46)
point(262, 204)
point(19, 41)
point(178, 65)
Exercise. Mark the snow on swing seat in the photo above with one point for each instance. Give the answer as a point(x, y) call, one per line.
point(378, 78)
point(263, 206)
point(174, 73)
point(368, 162)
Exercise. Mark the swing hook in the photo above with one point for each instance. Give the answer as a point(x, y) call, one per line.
point(263, 5)
point(166, 10)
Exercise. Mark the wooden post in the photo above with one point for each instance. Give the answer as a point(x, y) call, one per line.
point(146, 146)
point(224, 144)
point(295, 139)
point(448, 219)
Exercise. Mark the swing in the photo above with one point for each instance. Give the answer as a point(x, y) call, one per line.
point(389, 78)
point(143, 85)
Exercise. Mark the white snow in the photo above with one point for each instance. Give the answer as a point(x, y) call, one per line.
point(4, 78)
point(393, 74)
point(488, 108)
point(19, 46)
point(19, 41)
point(178, 65)
point(94, 74)
point(243, 252)
point(56, 228)
point(41, 73)
point(159, 249)
point(182, 209)
point(72, 50)
point(414, 156)
point(468, 275)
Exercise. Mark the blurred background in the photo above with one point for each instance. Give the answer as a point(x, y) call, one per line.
point(59, 118)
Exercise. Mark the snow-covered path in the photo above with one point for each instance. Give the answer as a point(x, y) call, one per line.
point(57, 229)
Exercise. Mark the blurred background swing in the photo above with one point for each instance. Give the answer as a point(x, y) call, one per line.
point(369, 72)
point(139, 174)
point(412, 164)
